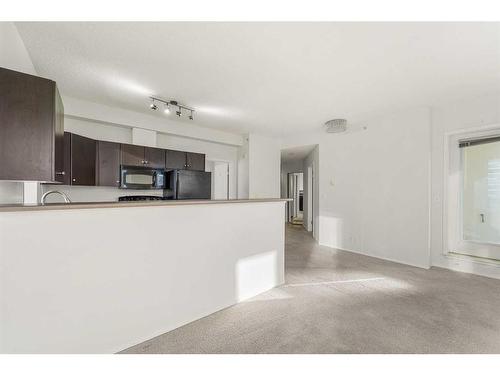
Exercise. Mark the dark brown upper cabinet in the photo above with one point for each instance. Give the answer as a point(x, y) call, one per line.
point(154, 157)
point(108, 164)
point(83, 153)
point(185, 160)
point(195, 161)
point(143, 156)
point(132, 155)
point(175, 159)
point(31, 128)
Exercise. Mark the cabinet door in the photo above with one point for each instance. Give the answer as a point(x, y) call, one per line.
point(60, 173)
point(175, 159)
point(67, 159)
point(195, 161)
point(154, 157)
point(133, 155)
point(83, 160)
point(26, 127)
point(108, 164)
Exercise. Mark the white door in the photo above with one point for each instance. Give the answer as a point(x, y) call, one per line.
point(220, 180)
point(309, 214)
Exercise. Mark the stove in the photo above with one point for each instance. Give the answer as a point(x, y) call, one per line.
point(132, 198)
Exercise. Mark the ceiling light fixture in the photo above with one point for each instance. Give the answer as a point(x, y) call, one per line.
point(171, 103)
point(337, 125)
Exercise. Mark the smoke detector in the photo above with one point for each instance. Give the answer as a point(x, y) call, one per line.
point(337, 125)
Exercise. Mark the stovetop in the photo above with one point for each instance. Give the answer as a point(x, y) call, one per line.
point(130, 198)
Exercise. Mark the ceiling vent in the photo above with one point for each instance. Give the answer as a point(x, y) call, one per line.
point(337, 125)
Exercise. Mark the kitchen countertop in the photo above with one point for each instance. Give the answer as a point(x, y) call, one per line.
point(87, 205)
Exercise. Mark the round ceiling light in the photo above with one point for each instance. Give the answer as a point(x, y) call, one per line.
point(337, 125)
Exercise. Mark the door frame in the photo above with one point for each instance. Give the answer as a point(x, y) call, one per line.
point(229, 163)
point(453, 242)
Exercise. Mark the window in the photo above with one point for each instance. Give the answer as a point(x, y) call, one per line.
point(481, 191)
point(474, 195)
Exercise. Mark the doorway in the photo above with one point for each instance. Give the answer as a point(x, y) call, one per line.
point(220, 179)
point(296, 194)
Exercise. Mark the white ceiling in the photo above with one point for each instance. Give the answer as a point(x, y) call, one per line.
point(293, 154)
point(274, 78)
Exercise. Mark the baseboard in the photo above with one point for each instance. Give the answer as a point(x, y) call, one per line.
point(379, 257)
point(466, 264)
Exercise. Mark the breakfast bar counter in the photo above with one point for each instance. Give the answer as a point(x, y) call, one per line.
point(101, 277)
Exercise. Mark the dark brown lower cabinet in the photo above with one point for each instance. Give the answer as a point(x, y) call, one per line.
point(108, 164)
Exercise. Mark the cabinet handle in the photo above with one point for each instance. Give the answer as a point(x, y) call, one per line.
point(74, 180)
point(60, 173)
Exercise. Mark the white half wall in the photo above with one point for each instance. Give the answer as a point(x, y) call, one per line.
point(115, 277)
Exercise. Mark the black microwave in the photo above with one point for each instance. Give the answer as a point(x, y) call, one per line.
point(143, 178)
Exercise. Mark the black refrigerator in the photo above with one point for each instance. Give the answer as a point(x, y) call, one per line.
point(186, 184)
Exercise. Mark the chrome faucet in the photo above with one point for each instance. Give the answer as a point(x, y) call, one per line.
point(66, 198)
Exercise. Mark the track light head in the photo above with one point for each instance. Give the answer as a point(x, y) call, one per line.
point(191, 115)
point(178, 112)
point(153, 106)
point(167, 109)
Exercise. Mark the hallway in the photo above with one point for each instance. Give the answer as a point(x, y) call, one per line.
point(340, 302)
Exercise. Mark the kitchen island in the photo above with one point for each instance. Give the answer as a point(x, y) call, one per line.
point(101, 277)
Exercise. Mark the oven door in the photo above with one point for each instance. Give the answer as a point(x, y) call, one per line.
point(142, 178)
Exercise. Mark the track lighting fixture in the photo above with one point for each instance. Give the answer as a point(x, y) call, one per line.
point(171, 103)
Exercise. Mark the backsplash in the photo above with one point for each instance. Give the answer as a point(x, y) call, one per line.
point(93, 193)
point(11, 192)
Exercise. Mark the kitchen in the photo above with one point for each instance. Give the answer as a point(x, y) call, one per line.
point(129, 227)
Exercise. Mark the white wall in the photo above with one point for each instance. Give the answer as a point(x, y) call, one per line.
point(374, 187)
point(448, 117)
point(160, 123)
point(13, 55)
point(133, 277)
point(264, 167)
point(243, 173)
